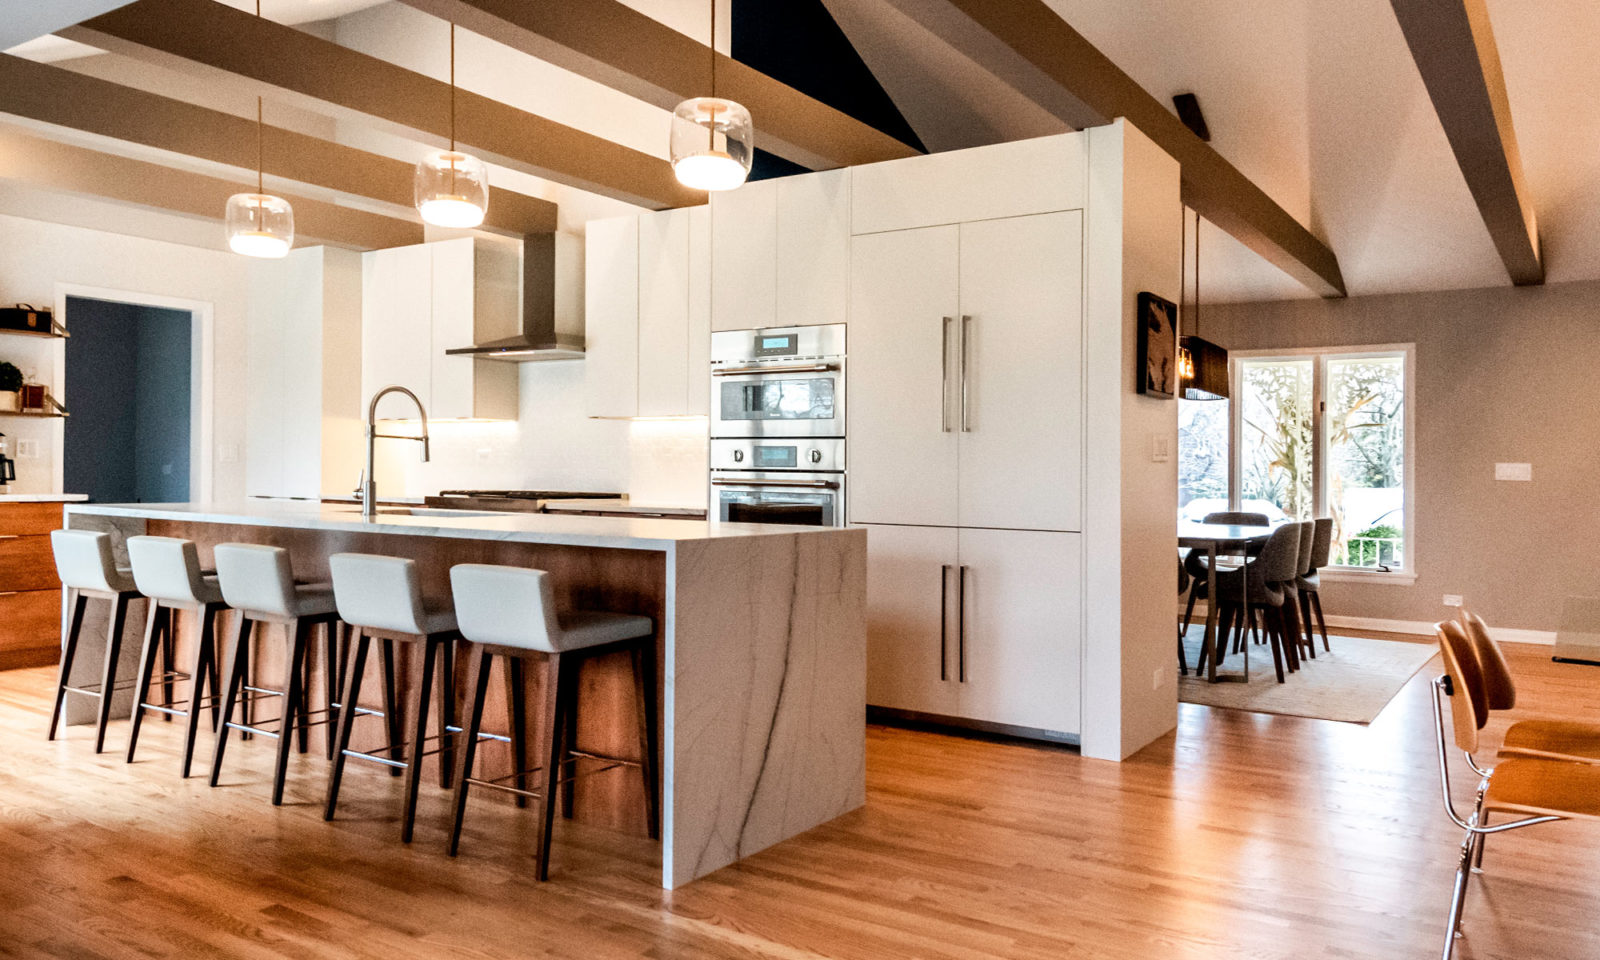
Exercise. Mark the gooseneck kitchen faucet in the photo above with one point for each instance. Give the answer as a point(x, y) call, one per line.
point(369, 486)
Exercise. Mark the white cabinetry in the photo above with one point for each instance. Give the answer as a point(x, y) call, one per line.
point(976, 624)
point(780, 252)
point(647, 288)
point(966, 374)
point(303, 431)
point(421, 300)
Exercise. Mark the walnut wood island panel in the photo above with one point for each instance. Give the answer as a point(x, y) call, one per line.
point(761, 647)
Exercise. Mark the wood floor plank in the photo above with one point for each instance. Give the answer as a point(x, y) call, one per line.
point(1242, 836)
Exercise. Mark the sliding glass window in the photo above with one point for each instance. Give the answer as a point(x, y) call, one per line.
point(1311, 433)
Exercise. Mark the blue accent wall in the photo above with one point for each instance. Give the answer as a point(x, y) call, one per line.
point(128, 387)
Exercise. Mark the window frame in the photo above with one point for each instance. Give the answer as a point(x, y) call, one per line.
point(1320, 357)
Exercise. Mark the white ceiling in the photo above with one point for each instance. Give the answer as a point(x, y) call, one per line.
point(1319, 103)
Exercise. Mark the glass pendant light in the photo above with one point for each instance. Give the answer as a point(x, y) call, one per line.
point(451, 188)
point(713, 139)
point(259, 224)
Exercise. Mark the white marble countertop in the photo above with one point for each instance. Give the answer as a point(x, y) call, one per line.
point(633, 533)
point(43, 497)
point(621, 506)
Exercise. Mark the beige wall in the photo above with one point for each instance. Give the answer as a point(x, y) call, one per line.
point(1503, 375)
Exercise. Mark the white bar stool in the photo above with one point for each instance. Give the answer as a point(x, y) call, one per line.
point(167, 571)
point(510, 612)
point(87, 570)
point(380, 597)
point(258, 582)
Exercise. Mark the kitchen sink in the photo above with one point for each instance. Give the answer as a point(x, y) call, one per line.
point(435, 512)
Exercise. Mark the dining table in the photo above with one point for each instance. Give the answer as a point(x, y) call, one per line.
point(1222, 539)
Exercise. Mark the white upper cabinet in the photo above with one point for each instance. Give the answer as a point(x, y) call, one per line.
point(303, 436)
point(1021, 369)
point(611, 317)
point(983, 183)
point(780, 252)
point(699, 311)
point(421, 300)
point(904, 306)
point(664, 313)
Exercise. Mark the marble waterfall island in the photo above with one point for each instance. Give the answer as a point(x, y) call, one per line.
point(761, 634)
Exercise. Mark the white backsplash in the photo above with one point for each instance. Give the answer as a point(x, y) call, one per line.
point(555, 446)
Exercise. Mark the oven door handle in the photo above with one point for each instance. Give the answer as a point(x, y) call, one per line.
point(801, 368)
point(809, 484)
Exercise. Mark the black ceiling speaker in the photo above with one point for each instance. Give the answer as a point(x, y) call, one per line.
point(1189, 112)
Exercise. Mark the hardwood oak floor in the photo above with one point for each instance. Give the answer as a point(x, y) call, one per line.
point(1241, 836)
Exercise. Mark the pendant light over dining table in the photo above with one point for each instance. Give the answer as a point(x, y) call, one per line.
point(451, 188)
point(713, 139)
point(1202, 365)
point(259, 224)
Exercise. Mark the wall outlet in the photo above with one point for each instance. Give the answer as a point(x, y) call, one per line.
point(1514, 471)
point(1158, 678)
point(27, 449)
point(1452, 599)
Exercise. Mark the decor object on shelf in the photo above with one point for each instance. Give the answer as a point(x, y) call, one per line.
point(8, 466)
point(33, 397)
point(27, 318)
point(1202, 365)
point(713, 139)
point(1158, 346)
point(10, 384)
point(451, 188)
point(259, 224)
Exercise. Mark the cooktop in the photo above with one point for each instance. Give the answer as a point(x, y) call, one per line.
point(531, 494)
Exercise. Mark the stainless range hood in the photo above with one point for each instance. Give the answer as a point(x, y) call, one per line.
point(539, 339)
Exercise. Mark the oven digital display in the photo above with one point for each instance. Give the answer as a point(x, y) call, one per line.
point(784, 345)
point(774, 458)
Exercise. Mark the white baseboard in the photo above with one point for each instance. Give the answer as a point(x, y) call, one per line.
point(1421, 628)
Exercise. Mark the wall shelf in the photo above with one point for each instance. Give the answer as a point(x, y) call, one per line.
point(52, 334)
point(49, 415)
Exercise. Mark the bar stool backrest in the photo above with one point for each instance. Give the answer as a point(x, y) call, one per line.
point(1237, 517)
point(1322, 543)
point(508, 606)
point(167, 569)
point(1280, 556)
point(1500, 690)
point(381, 593)
point(1308, 536)
point(84, 561)
point(1468, 712)
point(256, 578)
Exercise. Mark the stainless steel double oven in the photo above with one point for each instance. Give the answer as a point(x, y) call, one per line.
point(777, 425)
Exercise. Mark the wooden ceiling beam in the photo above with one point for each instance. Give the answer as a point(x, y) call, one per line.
point(50, 94)
point(59, 166)
point(615, 45)
point(297, 64)
point(1028, 45)
point(1453, 45)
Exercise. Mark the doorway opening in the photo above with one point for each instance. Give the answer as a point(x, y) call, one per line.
point(129, 377)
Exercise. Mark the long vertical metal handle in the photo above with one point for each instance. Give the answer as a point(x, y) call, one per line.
point(944, 620)
point(966, 337)
point(961, 634)
point(944, 375)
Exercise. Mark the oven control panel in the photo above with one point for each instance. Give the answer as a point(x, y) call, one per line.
point(810, 454)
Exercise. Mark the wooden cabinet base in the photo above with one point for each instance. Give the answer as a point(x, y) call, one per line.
point(30, 628)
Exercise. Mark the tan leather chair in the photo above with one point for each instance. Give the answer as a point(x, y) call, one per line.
point(1533, 790)
point(1549, 739)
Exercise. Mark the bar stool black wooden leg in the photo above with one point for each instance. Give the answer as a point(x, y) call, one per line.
point(238, 670)
point(419, 739)
point(293, 687)
point(302, 727)
point(447, 712)
point(72, 628)
point(108, 680)
point(332, 640)
point(517, 711)
point(246, 705)
point(391, 703)
point(347, 719)
point(569, 733)
point(205, 656)
point(169, 638)
point(555, 685)
point(478, 664)
point(153, 631)
point(644, 685)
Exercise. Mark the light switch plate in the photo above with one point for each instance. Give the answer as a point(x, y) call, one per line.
point(228, 453)
point(1513, 471)
point(27, 449)
point(1452, 599)
point(1160, 448)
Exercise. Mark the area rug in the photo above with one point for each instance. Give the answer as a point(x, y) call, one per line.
point(1353, 682)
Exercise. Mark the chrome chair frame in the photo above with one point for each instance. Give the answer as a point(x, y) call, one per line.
point(1474, 824)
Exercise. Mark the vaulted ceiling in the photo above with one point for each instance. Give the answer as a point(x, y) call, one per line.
point(1320, 105)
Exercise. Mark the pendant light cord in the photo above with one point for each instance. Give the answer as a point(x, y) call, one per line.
point(260, 189)
point(711, 128)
